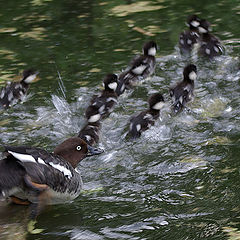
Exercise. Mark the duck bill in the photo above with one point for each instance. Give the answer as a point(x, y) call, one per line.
point(93, 151)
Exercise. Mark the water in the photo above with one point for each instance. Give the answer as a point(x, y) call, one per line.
point(180, 180)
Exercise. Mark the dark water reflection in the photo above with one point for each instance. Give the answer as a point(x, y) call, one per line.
point(180, 180)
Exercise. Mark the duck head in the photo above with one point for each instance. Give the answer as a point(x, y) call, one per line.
point(75, 149)
point(29, 75)
point(110, 82)
point(190, 72)
point(156, 102)
point(204, 26)
point(150, 48)
point(193, 22)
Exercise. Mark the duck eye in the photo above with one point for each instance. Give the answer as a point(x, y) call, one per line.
point(78, 148)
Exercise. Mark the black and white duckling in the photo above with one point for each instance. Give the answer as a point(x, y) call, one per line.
point(90, 132)
point(210, 45)
point(104, 102)
point(147, 118)
point(92, 114)
point(189, 38)
point(29, 175)
point(140, 67)
point(183, 91)
point(16, 91)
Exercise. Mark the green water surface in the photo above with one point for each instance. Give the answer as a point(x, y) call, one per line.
point(181, 179)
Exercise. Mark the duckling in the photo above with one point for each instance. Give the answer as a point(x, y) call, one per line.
point(90, 132)
point(29, 174)
point(210, 45)
point(15, 91)
point(147, 118)
point(183, 91)
point(103, 104)
point(189, 38)
point(140, 68)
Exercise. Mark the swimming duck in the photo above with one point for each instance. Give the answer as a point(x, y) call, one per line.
point(140, 68)
point(147, 118)
point(90, 132)
point(28, 175)
point(15, 91)
point(189, 37)
point(183, 91)
point(103, 104)
point(210, 45)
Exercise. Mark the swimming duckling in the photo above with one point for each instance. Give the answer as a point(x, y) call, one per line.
point(189, 37)
point(147, 118)
point(183, 91)
point(16, 91)
point(103, 104)
point(140, 67)
point(210, 45)
point(90, 132)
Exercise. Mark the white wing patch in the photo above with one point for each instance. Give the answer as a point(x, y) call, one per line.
point(112, 99)
point(187, 88)
point(147, 116)
point(101, 109)
point(181, 99)
point(62, 169)
point(139, 70)
point(138, 127)
point(94, 118)
point(122, 88)
point(10, 96)
point(23, 157)
point(88, 137)
point(216, 49)
point(189, 41)
point(207, 51)
point(41, 161)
